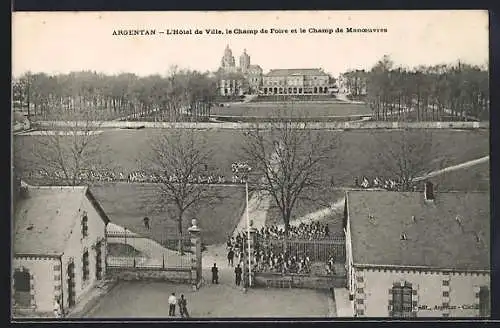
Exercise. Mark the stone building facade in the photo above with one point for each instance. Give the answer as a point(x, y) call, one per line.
point(309, 81)
point(59, 248)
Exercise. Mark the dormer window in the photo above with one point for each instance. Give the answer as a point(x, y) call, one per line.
point(85, 227)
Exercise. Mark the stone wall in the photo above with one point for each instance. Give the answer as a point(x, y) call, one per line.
point(312, 125)
point(130, 274)
point(298, 281)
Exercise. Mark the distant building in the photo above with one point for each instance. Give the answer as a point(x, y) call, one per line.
point(309, 81)
point(412, 254)
point(353, 83)
point(238, 80)
point(20, 122)
point(59, 248)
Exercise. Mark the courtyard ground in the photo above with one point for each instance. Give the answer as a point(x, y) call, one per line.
point(149, 300)
point(304, 109)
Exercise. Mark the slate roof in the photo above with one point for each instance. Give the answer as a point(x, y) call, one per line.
point(435, 239)
point(296, 71)
point(46, 216)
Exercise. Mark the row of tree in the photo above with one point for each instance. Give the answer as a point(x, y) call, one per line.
point(440, 92)
point(172, 97)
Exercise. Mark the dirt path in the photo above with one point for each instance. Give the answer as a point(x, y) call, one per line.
point(454, 168)
point(154, 253)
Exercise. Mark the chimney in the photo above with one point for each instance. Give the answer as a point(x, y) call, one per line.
point(429, 191)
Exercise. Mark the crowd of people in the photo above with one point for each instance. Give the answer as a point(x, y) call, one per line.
point(142, 176)
point(303, 231)
point(379, 182)
point(270, 256)
point(136, 177)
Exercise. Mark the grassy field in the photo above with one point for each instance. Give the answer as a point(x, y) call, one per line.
point(127, 204)
point(123, 150)
point(317, 109)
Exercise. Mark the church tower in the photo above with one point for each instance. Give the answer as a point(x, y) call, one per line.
point(244, 61)
point(227, 62)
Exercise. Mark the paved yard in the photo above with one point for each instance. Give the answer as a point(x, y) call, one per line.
point(149, 299)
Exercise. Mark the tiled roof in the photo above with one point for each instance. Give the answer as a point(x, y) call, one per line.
point(46, 216)
point(435, 238)
point(296, 71)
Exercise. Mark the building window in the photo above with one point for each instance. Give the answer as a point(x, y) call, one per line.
point(402, 300)
point(85, 226)
point(360, 312)
point(85, 266)
point(484, 302)
point(359, 279)
point(360, 291)
point(446, 282)
point(360, 301)
point(22, 295)
point(446, 294)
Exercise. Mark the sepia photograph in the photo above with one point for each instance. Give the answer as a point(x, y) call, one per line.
point(250, 164)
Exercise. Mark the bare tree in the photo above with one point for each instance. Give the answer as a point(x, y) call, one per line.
point(405, 155)
point(181, 155)
point(289, 161)
point(66, 149)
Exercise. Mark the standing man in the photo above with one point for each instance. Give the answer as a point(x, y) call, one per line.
point(172, 301)
point(215, 274)
point(183, 307)
point(237, 273)
point(57, 308)
point(230, 257)
point(146, 222)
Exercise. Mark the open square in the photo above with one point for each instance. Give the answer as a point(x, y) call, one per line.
point(149, 300)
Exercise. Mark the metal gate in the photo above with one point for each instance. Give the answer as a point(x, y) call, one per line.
point(130, 250)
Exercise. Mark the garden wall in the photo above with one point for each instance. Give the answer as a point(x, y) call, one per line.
point(183, 276)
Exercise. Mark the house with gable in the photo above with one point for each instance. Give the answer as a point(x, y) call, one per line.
point(59, 247)
point(414, 254)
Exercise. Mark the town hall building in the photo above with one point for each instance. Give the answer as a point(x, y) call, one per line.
point(249, 79)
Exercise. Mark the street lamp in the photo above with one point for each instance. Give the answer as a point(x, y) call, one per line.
point(242, 170)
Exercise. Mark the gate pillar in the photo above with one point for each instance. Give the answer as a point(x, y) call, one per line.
point(196, 265)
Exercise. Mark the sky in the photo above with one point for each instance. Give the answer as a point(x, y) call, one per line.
point(61, 42)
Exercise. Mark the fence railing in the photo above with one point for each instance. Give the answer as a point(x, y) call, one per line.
point(316, 250)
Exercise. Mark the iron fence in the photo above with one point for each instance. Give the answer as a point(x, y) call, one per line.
point(317, 250)
point(130, 250)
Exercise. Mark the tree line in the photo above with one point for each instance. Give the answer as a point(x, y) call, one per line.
point(444, 92)
point(171, 97)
